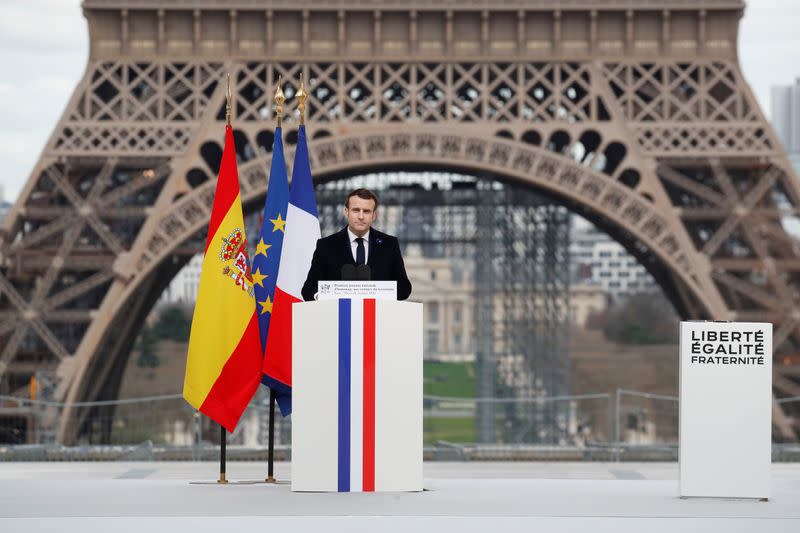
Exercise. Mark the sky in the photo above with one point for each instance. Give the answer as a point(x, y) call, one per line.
point(44, 47)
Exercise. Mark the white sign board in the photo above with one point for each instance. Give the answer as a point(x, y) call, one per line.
point(725, 409)
point(355, 289)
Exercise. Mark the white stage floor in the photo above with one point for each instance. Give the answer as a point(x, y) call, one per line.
point(463, 497)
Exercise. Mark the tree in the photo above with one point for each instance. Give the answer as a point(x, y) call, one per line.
point(642, 318)
point(146, 346)
point(173, 323)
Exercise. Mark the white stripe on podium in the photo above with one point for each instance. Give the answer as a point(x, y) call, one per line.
point(356, 394)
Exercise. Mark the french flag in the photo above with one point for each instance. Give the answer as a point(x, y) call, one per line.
point(357, 422)
point(299, 241)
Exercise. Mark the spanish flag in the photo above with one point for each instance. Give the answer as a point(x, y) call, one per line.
point(223, 366)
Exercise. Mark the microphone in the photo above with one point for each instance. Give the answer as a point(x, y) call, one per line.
point(363, 273)
point(348, 272)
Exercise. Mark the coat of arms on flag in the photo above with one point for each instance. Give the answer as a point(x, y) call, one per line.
point(223, 364)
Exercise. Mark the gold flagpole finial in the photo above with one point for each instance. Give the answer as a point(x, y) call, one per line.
point(280, 98)
point(302, 96)
point(228, 102)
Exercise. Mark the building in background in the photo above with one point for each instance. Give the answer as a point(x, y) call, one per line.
point(5, 207)
point(448, 295)
point(597, 259)
point(585, 299)
point(786, 119)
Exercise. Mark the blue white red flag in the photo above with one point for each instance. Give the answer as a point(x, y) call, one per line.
point(299, 242)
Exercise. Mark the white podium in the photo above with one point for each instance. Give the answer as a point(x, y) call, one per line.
point(356, 396)
point(725, 409)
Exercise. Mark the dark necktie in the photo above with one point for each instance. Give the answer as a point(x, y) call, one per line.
point(360, 252)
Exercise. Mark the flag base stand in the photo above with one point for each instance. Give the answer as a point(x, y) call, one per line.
point(223, 480)
point(265, 482)
point(270, 479)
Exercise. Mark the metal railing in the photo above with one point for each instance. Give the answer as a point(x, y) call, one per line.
point(627, 425)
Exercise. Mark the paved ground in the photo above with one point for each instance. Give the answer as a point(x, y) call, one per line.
point(551, 497)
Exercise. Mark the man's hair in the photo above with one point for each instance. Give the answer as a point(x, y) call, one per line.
point(364, 194)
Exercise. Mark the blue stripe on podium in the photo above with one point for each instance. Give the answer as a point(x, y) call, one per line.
point(344, 395)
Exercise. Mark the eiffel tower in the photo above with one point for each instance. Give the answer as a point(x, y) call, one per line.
point(633, 114)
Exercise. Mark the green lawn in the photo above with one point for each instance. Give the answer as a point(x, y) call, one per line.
point(449, 379)
point(456, 430)
point(455, 380)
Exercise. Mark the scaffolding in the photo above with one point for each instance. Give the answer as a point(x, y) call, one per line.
point(512, 244)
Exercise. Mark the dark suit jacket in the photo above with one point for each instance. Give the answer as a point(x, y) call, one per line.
point(334, 251)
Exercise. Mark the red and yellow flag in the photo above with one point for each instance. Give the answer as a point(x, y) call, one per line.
point(223, 367)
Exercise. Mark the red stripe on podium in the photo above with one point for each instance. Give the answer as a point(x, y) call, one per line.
point(368, 484)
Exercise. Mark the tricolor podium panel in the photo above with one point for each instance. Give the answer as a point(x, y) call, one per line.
point(725, 409)
point(357, 396)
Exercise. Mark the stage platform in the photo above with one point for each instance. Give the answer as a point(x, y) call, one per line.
point(460, 497)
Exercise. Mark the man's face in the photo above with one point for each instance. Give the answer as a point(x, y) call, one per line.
point(360, 215)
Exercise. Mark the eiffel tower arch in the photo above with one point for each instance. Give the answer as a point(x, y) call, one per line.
point(635, 115)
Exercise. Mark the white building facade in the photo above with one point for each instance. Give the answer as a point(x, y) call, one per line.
point(183, 288)
point(5, 207)
point(599, 260)
point(785, 111)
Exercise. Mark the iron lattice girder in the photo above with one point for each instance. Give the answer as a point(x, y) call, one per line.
point(516, 95)
point(561, 177)
point(671, 154)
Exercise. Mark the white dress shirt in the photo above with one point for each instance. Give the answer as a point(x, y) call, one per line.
point(354, 245)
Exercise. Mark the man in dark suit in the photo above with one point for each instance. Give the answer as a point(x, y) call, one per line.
point(358, 244)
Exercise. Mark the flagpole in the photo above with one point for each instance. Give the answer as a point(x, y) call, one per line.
point(220, 306)
point(302, 96)
point(228, 102)
point(271, 449)
point(279, 99)
point(223, 439)
point(223, 435)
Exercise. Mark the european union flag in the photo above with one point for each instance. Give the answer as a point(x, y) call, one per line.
point(267, 256)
